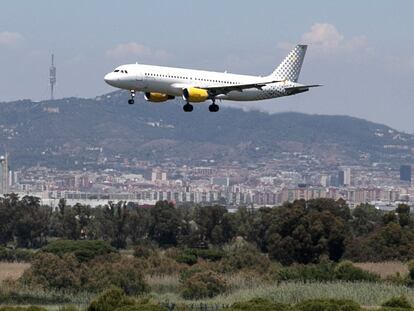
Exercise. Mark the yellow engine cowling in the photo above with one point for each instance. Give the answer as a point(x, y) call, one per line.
point(157, 97)
point(195, 95)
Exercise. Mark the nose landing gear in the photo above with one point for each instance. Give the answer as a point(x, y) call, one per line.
point(131, 101)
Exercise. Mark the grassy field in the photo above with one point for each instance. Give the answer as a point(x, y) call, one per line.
point(243, 287)
point(167, 288)
point(12, 270)
point(367, 294)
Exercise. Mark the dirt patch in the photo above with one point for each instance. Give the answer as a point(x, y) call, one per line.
point(384, 269)
point(12, 270)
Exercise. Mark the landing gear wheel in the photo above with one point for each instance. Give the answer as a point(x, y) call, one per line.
point(188, 108)
point(213, 108)
point(131, 100)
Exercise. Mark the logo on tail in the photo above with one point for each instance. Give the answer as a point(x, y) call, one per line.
point(289, 69)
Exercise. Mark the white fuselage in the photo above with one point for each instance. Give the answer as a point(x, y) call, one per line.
point(172, 81)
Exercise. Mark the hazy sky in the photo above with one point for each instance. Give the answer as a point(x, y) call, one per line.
point(362, 51)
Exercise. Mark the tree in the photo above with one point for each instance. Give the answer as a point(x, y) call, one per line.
point(301, 232)
point(164, 224)
point(365, 218)
point(215, 224)
point(113, 221)
point(8, 206)
point(32, 221)
point(403, 211)
point(138, 223)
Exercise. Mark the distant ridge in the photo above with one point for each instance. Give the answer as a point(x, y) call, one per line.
point(67, 133)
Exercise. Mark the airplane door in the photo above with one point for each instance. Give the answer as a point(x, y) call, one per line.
point(140, 81)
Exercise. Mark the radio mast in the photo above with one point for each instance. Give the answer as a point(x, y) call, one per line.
point(52, 78)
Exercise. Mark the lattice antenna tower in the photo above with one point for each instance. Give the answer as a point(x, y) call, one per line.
point(52, 78)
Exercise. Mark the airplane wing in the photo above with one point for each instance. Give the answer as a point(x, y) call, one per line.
point(225, 89)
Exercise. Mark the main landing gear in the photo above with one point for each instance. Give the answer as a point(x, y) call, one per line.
point(131, 101)
point(188, 107)
point(213, 107)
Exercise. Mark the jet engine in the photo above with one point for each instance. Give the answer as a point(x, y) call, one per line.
point(157, 97)
point(195, 95)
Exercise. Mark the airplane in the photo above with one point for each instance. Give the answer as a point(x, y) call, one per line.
point(161, 84)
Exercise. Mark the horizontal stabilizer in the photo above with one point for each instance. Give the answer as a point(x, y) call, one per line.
point(300, 89)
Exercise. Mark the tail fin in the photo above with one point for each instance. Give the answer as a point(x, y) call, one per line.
point(289, 69)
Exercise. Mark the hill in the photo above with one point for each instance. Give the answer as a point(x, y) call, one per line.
point(73, 132)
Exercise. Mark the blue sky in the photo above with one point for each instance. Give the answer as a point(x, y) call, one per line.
point(362, 51)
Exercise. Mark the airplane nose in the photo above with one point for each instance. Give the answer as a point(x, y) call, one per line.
point(108, 78)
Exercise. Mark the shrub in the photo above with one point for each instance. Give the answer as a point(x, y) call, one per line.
point(328, 305)
point(323, 271)
point(121, 272)
point(50, 271)
point(410, 276)
point(398, 302)
point(142, 251)
point(144, 306)
point(346, 271)
point(148, 307)
point(13, 255)
point(203, 285)
point(258, 304)
point(185, 274)
point(189, 259)
point(110, 300)
point(68, 308)
point(245, 256)
point(83, 250)
point(160, 264)
point(207, 254)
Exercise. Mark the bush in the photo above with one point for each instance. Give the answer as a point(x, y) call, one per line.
point(186, 258)
point(83, 250)
point(68, 308)
point(13, 255)
point(121, 272)
point(110, 300)
point(258, 304)
point(142, 251)
point(50, 271)
point(398, 302)
point(203, 285)
point(186, 274)
point(346, 271)
point(207, 254)
point(321, 272)
point(410, 276)
point(143, 306)
point(328, 305)
point(245, 256)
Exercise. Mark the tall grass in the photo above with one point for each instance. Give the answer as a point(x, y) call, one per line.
point(41, 297)
point(364, 293)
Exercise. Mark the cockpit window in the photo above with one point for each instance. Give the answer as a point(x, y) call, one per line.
point(126, 71)
point(116, 70)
